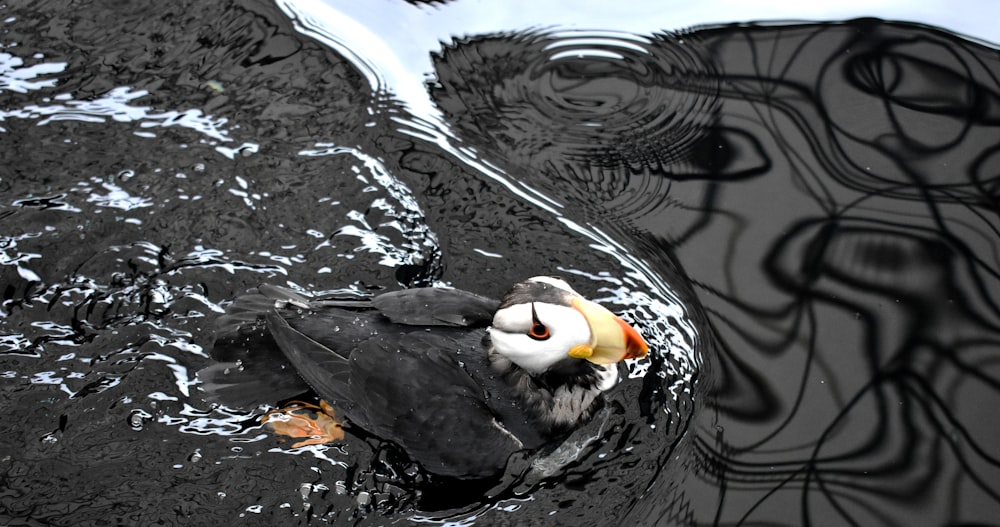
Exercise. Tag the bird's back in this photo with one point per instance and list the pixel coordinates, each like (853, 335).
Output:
(409, 366)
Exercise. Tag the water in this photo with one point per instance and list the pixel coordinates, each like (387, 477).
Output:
(801, 218)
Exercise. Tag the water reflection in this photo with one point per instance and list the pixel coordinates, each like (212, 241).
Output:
(600, 101)
(874, 291)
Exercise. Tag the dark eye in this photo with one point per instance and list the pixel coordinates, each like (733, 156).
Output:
(538, 330)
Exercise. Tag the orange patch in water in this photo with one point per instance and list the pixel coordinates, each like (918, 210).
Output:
(303, 420)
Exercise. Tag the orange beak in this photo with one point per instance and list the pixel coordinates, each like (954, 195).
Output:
(611, 338)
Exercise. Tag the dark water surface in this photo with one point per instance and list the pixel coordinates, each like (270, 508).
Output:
(802, 219)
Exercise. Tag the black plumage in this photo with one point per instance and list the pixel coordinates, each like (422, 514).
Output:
(415, 367)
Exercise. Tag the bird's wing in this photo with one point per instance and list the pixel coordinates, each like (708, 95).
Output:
(424, 306)
(325, 370)
(430, 306)
(423, 400)
(406, 386)
(251, 369)
(336, 345)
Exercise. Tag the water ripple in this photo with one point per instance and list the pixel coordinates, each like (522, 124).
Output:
(616, 102)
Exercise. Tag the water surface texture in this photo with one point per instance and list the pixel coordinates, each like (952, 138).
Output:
(801, 218)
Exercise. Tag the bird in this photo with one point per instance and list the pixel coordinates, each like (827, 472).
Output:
(457, 380)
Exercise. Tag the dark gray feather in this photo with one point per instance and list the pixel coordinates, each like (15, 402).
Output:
(436, 307)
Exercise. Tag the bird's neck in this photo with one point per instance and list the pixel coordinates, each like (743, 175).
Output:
(561, 397)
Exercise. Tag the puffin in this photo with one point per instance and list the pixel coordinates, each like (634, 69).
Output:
(458, 381)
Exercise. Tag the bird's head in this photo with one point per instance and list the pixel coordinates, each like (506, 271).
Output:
(543, 321)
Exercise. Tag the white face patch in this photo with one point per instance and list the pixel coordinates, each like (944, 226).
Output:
(566, 328)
